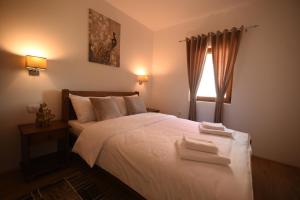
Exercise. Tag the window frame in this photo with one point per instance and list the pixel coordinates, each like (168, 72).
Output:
(213, 99)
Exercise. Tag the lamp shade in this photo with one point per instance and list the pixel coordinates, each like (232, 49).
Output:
(34, 62)
(142, 78)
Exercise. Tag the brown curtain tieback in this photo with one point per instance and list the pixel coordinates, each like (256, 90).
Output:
(220, 100)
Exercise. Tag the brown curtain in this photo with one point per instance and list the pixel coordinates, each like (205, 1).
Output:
(224, 47)
(196, 51)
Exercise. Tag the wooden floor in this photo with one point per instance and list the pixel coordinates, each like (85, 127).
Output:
(275, 181)
(271, 180)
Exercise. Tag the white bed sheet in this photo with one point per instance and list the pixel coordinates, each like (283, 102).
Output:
(77, 127)
(140, 151)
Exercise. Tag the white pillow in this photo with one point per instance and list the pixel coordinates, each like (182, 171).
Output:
(83, 108)
(135, 105)
(121, 104)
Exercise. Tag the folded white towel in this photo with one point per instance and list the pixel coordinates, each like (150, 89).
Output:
(199, 156)
(214, 126)
(226, 132)
(199, 144)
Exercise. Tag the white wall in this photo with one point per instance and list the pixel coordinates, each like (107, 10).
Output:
(58, 30)
(265, 99)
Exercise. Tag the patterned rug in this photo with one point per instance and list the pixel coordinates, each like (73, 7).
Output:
(84, 185)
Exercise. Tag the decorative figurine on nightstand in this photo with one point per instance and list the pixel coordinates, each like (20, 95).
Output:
(44, 116)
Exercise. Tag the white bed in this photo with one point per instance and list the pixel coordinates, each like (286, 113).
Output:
(77, 127)
(140, 151)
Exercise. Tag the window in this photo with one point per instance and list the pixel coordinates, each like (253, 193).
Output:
(207, 90)
(207, 82)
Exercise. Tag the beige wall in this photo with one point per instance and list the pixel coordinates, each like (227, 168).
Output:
(58, 30)
(266, 87)
(265, 101)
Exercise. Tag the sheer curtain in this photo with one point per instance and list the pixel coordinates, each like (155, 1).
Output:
(196, 48)
(224, 47)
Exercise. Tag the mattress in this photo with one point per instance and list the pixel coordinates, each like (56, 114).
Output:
(77, 127)
(140, 151)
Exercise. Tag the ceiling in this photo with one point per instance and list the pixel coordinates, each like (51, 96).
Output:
(160, 14)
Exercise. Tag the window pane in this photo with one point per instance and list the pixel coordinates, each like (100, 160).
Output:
(207, 82)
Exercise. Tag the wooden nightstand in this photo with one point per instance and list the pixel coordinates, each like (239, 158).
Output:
(153, 110)
(31, 135)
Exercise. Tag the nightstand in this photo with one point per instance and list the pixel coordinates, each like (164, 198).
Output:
(153, 110)
(32, 135)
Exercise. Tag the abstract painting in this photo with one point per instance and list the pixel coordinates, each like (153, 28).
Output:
(104, 39)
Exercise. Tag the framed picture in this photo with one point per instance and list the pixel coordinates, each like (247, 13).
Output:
(104, 39)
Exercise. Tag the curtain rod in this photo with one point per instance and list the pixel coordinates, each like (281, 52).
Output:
(246, 28)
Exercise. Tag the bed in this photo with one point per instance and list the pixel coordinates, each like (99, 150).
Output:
(140, 151)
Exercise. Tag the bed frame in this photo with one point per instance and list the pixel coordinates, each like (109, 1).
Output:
(67, 108)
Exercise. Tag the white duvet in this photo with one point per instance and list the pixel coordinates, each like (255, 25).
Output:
(140, 151)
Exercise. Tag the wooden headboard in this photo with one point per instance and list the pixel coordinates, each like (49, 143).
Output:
(67, 108)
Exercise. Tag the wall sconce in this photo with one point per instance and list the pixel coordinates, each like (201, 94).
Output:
(142, 79)
(34, 64)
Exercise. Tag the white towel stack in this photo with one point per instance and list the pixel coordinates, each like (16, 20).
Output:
(214, 126)
(199, 145)
(215, 129)
(200, 150)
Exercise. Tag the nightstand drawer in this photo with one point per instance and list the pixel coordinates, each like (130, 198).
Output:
(58, 135)
(32, 135)
(38, 138)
